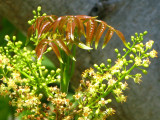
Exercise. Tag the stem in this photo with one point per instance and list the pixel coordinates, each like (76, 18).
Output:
(67, 70)
(64, 79)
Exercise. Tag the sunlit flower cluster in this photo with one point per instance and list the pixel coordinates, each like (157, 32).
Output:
(33, 89)
(106, 79)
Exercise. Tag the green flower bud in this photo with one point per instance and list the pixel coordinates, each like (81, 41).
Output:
(43, 67)
(126, 77)
(9, 68)
(44, 14)
(132, 38)
(7, 37)
(39, 8)
(109, 100)
(52, 72)
(97, 111)
(98, 68)
(137, 39)
(29, 22)
(49, 49)
(123, 72)
(40, 96)
(119, 55)
(39, 62)
(46, 71)
(89, 98)
(35, 17)
(103, 85)
(124, 49)
(34, 12)
(116, 50)
(145, 32)
(58, 70)
(141, 34)
(130, 61)
(80, 106)
(136, 34)
(101, 88)
(48, 76)
(22, 96)
(95, 65)
(141, 44)
(144, 71)
(35, 88)
(133, 50)
(108, 66)
(128, 43)
(33, 52)
(145, 65)
(44, 84)
(102, 65)
(109, 60)
(131, 56)
(32, 21)
(14, 38)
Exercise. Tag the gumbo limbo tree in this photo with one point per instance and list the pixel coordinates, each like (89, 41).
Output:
(29, 84)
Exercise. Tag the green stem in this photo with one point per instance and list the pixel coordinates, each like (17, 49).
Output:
(64, 79)
(67, 70)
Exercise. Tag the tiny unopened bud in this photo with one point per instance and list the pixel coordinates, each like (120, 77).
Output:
(116, 50)
(39, 8)
(133, 50)
(130, 61)
(109, 60)
(58, 70)
(132, 38)
(136, 34)
(43, 67)
(44, 14)
(144, 71)
(119, 55)
(34, 12)
(124, 49)
(145, 65)
(126, 77)
(40, 96)
(14, 38)
(145, 32)
(7, 37)
(102, 65)
(131, 56)
(49, 49)
(29, 22)
(95, 65)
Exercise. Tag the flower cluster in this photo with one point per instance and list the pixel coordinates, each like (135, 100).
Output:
(95, 86)
(29, 84)
(25, 80)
